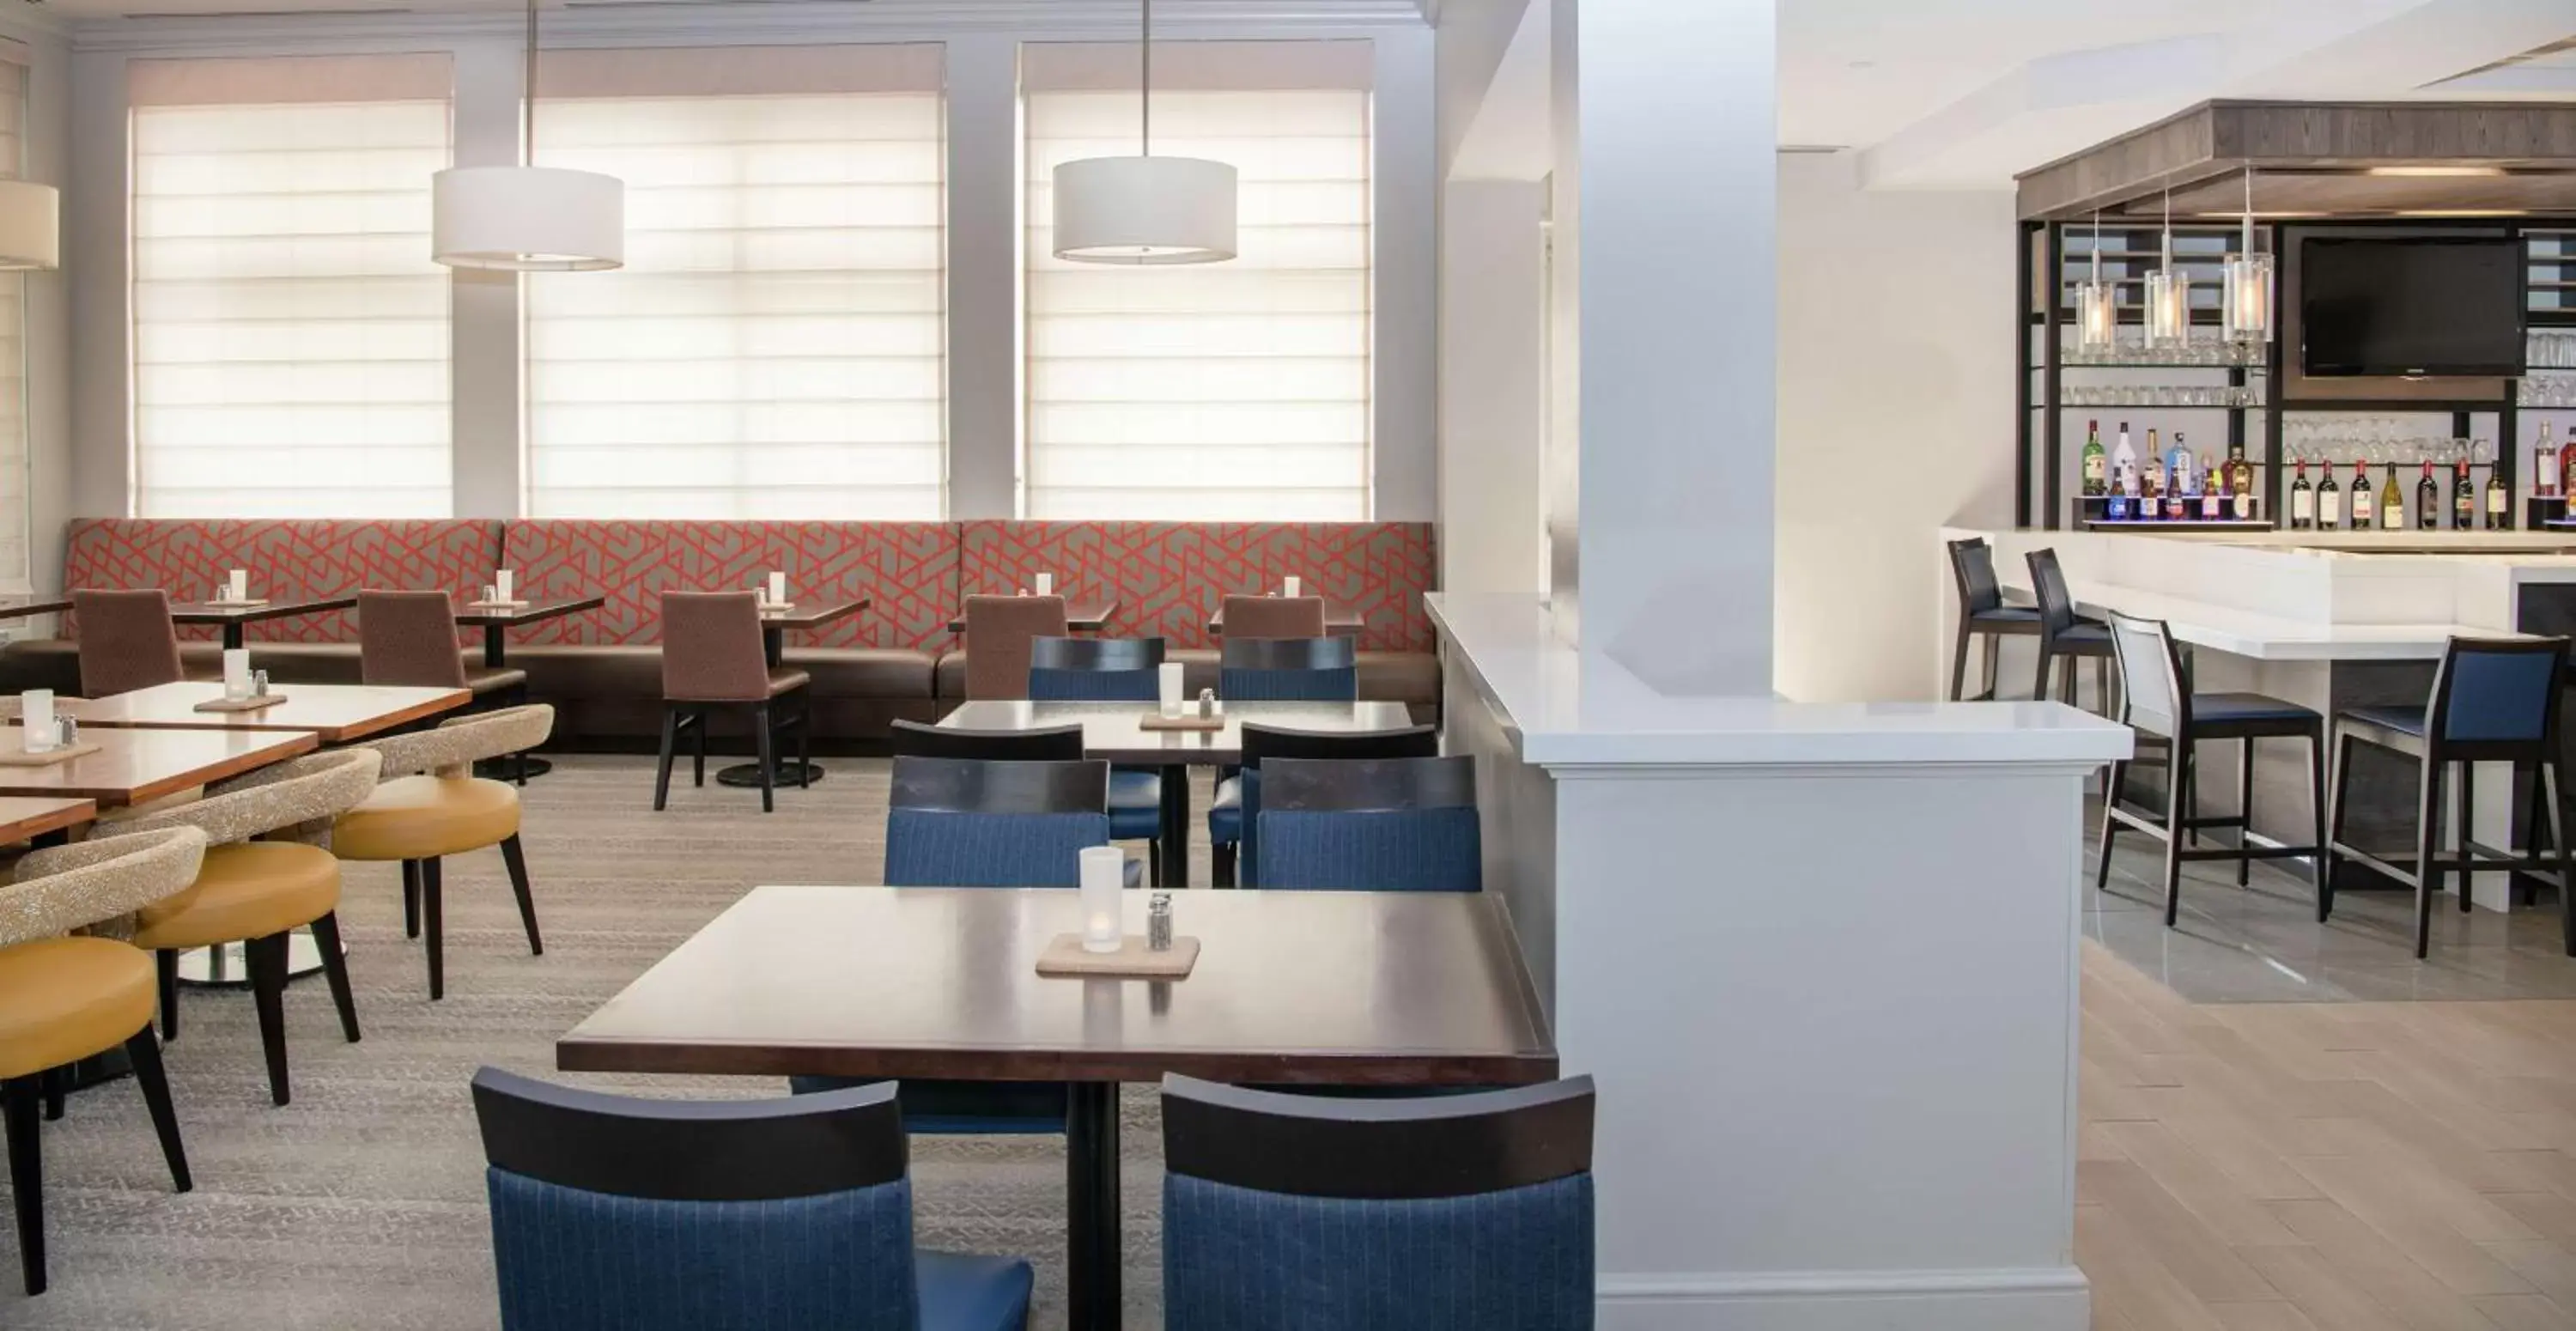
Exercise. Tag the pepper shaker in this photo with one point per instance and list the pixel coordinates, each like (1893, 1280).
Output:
(1158, 920)
(1207, 702)
(69, 728)
(259, 683)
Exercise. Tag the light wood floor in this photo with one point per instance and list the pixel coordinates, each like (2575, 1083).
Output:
(2338, 1166)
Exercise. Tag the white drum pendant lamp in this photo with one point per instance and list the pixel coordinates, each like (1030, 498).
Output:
(528, 219)
(30, 226)
(1144, 209)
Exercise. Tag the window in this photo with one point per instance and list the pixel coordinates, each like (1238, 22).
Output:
(1237, 390)
(290, 331)
(13, 339)
(775, 345)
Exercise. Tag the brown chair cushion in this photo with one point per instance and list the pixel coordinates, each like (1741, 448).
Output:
(64, 999)
(247, 890)
(784, 680)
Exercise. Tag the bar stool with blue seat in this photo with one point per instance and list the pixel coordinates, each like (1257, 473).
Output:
(1288, 670)
(2493, 701)
(2158, 704)
(1372, 825)
(1289, 1212)
(2064, 634)
(1233, 816)
(611, 1213)
(1068, 669)
(1983, 614)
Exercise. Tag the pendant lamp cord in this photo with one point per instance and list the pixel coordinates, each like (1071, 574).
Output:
(2097, 246)
(528, 117)
(1145, 137)
(2247, 237)
(2168, 236)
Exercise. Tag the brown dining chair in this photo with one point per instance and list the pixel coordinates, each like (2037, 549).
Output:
(998, 632)
(1274, 616)
(712, 658)
(409, 638)
(127, 641)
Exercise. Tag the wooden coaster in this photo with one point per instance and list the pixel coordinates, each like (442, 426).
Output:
(15, 757)
(259, 704)
(1185, 721)
(251, 604)
(1132, 960)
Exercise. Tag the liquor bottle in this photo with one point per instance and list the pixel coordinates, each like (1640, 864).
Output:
(2240, 483)
(2499, 501)
(2392, 505)
(2178, 469)
(2365, 510)
(2152, 494)
(2544, 466)
(2303, 499)
(2116, 508)
(2124, 460)
(2428, 500)
(2464, 497)
(2095, 460)
(2329, 500)
(2213, 491)
(2566, 454)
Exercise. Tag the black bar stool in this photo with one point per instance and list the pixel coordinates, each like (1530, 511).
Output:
(2493, 701)
(2155, 700)
(2066, 634)
(1982, 612)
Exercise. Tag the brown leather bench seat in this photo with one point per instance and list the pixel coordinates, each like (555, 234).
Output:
(1411, 678)
(610, 696)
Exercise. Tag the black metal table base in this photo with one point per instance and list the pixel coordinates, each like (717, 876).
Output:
(1175, 828)
(507, 769)
(1092, 1246)
(225, 966)
(784, 776)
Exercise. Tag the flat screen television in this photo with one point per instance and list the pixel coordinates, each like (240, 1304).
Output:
(2423, 305)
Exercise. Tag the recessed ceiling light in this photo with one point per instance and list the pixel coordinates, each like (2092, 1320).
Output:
(2435, 171)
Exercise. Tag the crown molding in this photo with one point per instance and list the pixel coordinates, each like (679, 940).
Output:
(669, 22)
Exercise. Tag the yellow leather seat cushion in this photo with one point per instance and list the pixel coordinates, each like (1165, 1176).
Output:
(249, 890)
(423, 817)
(64, 999)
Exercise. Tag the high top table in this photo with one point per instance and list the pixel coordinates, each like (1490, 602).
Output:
(1291, 988)
(774, 624)
(496, 621)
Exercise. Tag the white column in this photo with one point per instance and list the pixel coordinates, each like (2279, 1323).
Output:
(484, 424)
(1404, 235)
(1665, 182)
(983, 276)
(1492, 401)
(94, 256)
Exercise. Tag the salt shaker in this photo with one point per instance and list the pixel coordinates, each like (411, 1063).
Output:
(491, 593)
(1158, 920)
(1207, 702)
(259, 683)
(69, 728)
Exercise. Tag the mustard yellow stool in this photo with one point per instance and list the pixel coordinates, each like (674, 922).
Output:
(64, 999)
(429, 805)
(258, 893)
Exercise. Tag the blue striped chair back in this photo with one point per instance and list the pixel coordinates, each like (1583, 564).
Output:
(964, 822)
(1370, 825)
(1288, 670)
(2499, 692)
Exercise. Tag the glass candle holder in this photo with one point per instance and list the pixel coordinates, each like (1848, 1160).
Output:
(36, 720)
(1167, 677)
(1104, 878)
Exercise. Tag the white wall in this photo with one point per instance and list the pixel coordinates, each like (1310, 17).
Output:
(49, 407)
(1896, 410)
(88, 460)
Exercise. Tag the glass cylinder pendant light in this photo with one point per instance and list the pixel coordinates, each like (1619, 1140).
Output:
(527, 218)
(2168, 295)
(2097, 304)
(1144, 209)
(2247, 287)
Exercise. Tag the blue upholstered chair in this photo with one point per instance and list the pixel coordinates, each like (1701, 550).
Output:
(618, 1214)
(1233, 817)
(1371, 825)
(2493, 701)
(1450, 1213)
(1109, 670)
(1288, 670)
(2156, 701)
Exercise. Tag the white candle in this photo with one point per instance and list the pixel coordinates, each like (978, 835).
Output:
(237, 672)
(1292, 585)
(1168, 677)
(1046, 584)
(237, 585)
(36, 719)
(777, 587)
(1104, 877)
(504, 582)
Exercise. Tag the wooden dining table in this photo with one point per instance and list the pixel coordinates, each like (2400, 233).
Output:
(1424, 989)
(1338, 619)
(136, 766)
(33, 818)
(1115, 732)
(231, 618)
(339, 713)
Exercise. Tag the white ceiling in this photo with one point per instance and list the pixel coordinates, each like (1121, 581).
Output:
(1179, 11)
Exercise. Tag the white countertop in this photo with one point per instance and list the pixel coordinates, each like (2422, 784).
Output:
(1560, 716)
(2262, 637)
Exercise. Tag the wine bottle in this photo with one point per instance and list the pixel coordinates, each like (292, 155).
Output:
(2464, 497)
(2428, 500)
(2544, 466)
(2499, 501)
(2365, 510)
(2240, 482)
(2095, 460)
(2303, 499)
(2213, 491)
(2566, 455)
(2329, 500)
(2392, 505)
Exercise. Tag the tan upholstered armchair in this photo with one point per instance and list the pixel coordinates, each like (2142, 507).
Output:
(98, 884)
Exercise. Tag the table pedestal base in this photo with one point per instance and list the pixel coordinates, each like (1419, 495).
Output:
(224, 966)
(785, 775)
(507, 769)
(1092, 1243)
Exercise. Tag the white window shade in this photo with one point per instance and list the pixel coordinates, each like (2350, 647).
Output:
(13, 345)
(290, 333)
(775, 346)
(1230, 391)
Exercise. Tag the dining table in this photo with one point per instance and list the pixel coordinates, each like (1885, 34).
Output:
(1115, 732)
(232, 617)
(28, 607)
(496, 619)
(1338, 620)
(42, 819)
(1088, 614)
(775, 623)
(338, 713)
(1379, 989)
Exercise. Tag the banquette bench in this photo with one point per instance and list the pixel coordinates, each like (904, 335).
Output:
(602, 668)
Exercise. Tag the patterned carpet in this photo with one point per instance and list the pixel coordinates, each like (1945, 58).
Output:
(361, 1204)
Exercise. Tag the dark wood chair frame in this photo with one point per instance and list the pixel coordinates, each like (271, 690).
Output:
(1332, 652)
(771, 719)
(691, 1151)
(1977, 596)
(2056, 616)
(1430, 1147)
(24, 1101)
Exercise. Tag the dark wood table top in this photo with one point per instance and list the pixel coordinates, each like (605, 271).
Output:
(1088, 615)
(201, 612)
(133, 766)
(1337, 619)
(22, 607)
(1393, 988)
(1114, 731)
(337, 712)
(537, 608)
(24, 818)
(812, 612)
